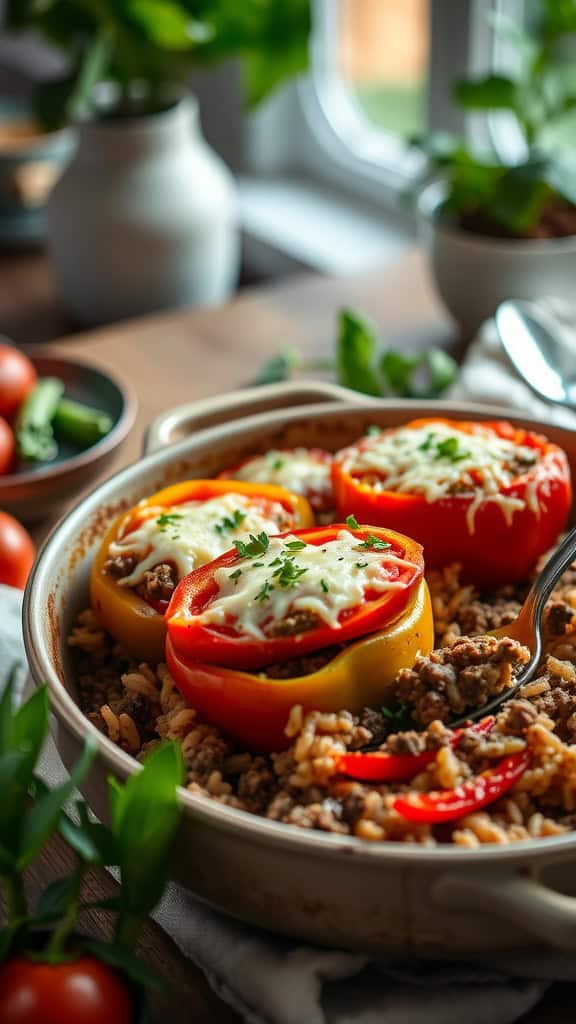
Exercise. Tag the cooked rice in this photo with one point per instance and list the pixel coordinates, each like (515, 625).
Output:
(136, 705)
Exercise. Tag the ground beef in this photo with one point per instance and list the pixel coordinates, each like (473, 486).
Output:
(137, 707)
(450, 680)
(557, 618)
(302, 666)
(377, 725)
(159, 583)
(560, 705)
(296, 622)
(481, 616)
(516, 717)
(120, 566)
(256, 786)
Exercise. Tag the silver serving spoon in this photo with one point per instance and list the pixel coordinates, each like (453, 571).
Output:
(537, 346)
(527, 626)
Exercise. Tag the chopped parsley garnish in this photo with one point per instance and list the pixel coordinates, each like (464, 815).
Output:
(288, 574)
(255, 546)
(264, 593)
(277, 464)
(324, 586)
(401, 716)
(374, 543)
(166, 519)
(450, 449)
(231, 522)
(361, 565)
(373, 430)
(295, 545)
(235, 575)
(427, 444)
(352, 522)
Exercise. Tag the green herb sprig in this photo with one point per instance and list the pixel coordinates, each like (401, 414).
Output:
(361, 364)
(230, 523)
(145, 817)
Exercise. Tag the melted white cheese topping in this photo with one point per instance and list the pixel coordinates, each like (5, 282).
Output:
(336, 578)
(193, 533)
(296, 470)
(479, 465)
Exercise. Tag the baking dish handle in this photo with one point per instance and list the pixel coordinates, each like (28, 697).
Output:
(179, 423)
(544, 913)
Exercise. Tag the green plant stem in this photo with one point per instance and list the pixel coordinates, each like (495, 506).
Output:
(15, 900)
(127, 928)
(57, 943)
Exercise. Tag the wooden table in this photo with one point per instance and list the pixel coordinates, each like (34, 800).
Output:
(176, 357)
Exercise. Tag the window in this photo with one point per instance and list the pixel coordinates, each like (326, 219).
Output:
(383, 58)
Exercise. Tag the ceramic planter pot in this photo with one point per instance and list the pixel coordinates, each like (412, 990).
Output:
(336, 890)
(143, 218)
(473, 274)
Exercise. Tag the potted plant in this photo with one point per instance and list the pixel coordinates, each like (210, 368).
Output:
(498, 230)
(49, 970)
(145, 215)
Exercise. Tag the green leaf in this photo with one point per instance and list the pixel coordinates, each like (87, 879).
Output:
(43, 818)
(492, 92)
(145, 817)
(521, 197)
(277, 368)
(126, 962)
(397, 370)
(6, 711)
(443, 371)
(440, 148)
(168, 25)
(512, 31)
(356, 353)
(53, 901)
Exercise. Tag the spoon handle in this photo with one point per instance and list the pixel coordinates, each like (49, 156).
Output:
(547, 579)
(532, 610)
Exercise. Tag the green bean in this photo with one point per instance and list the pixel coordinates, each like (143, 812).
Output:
(80, 424)
(33, 427)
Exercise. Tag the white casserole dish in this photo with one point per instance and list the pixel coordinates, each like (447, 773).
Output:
(330, 889)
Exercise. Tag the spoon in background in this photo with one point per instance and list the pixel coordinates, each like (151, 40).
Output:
(527, 626)
(538, 346)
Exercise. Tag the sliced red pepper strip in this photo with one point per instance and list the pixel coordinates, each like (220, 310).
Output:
(379, 766)
(446, 805)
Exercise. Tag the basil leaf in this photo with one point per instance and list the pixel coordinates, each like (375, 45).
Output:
(277, 368)
(145, 818)
(53, 901)
(491, 92)
(356, 353)
(43, 817)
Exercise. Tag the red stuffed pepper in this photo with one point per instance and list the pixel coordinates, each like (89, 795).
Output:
(324, 618)
(304, 471)
(488, 495)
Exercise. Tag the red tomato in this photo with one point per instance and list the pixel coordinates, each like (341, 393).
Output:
(17, 553)
(226, 646)
(7, 448)
(498, 549)
(85, 991)
(17, 378)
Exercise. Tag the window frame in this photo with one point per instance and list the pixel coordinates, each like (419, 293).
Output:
(331, 140)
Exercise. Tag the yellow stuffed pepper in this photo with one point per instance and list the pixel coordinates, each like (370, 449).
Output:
(149, 549)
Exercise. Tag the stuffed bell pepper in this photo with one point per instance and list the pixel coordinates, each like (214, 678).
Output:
(163, 538)
(304, 471)
(488, 495)
(323, 617)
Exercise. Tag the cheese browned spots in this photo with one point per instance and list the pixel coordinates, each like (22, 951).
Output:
(193, 533)
(438, 461)
(291, 577)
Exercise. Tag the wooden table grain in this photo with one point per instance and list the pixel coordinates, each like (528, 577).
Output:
(181, 356)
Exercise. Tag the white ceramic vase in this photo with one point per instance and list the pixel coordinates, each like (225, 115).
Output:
(143, 218)
(473, 274)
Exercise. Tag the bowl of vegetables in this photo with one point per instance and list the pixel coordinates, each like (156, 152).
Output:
(61, 423)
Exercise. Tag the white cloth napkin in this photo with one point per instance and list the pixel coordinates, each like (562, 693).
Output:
(268, 979)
